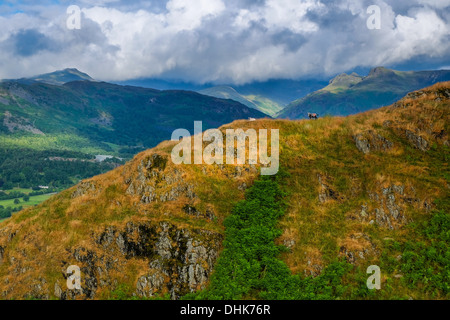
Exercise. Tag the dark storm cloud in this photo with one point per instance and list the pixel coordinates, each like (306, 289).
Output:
(290, 40)
(29, 42)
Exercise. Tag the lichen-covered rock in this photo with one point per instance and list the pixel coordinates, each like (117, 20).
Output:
(389, 205)
(180, 261)
(371, 141)
(389, 210)
(193, 211)
(84, 188)
(147, 286)
(155, 184)
(362, 143)
(417, 141)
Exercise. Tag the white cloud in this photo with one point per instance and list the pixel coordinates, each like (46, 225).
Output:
(188, 15)
(226, 41)
(281, 14)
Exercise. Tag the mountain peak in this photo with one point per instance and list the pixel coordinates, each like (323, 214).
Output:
(343, 81)
(378, 71)
(61, 77)
(354, 77)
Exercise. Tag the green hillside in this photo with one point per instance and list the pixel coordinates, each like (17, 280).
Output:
(257, 102)
(351, 94)
(75, 121)
(96, 114)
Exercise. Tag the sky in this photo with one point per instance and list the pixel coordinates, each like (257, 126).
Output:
(222, 41)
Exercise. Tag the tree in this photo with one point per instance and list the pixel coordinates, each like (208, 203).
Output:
(16, 201)
(26, 198)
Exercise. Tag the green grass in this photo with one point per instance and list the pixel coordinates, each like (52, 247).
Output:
(52, 142)
(250, 266)
(34, 200)
(265, 105)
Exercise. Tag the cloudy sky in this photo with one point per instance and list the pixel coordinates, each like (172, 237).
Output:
(221, 41)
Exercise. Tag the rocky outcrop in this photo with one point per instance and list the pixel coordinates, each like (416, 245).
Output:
(154, 184)
(417, 141)
(326, 193)
(371, 141)
(389, 205)
(179, 260)
(16, 123)
(169, 259)
(192, 211)
(8, 236)
(357, 248)
(439, 94)
(85, 187)
(387, 210)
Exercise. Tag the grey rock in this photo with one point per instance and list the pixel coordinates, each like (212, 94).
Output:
(362, 143)
(59, 292)
(84, 188)
(372, 141)
(417, 141)
(148, 285)
(179, 260)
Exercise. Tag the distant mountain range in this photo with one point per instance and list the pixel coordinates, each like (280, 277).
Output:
(351, 94)
(269, 97)
(345, 94)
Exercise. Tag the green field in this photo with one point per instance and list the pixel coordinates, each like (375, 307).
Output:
(34, 200)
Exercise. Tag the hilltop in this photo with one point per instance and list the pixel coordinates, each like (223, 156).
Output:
(59, 77)
(352, 94)
(369, 189)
